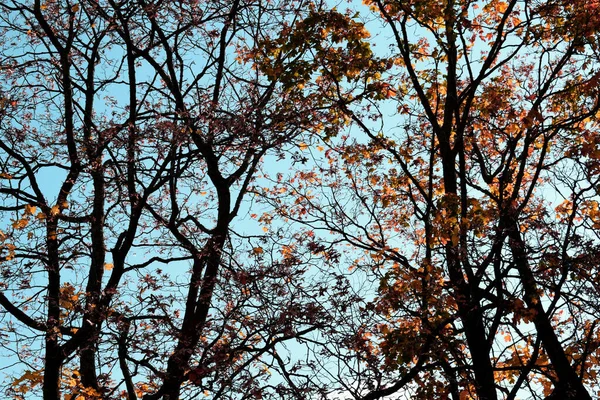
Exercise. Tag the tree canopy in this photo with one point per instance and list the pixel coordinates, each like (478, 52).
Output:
(291, 199)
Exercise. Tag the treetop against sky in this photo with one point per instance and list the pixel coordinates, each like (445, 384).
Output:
(262, 199)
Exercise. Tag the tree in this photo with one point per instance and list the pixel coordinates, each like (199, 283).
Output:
(415, 250)
(445, 194)
(131, 134)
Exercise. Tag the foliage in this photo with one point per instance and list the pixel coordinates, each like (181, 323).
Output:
(262, 199)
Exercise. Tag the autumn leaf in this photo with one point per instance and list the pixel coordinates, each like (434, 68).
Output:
(29, 209)
(27, 381)
(20, 224)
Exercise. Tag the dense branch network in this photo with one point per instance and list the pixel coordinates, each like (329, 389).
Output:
(260, 199)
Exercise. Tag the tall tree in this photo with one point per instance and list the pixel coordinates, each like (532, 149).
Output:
(131, 134)
(445, 190)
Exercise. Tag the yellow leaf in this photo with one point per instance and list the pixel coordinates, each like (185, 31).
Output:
(29, 209)
(320, 148)
(501, 6)
(20, 224)
(35, 377)
(108, 266)
(303, 146)
(54, 210)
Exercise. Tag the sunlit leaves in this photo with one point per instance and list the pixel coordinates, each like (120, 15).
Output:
(27, 381)
(327, 48)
